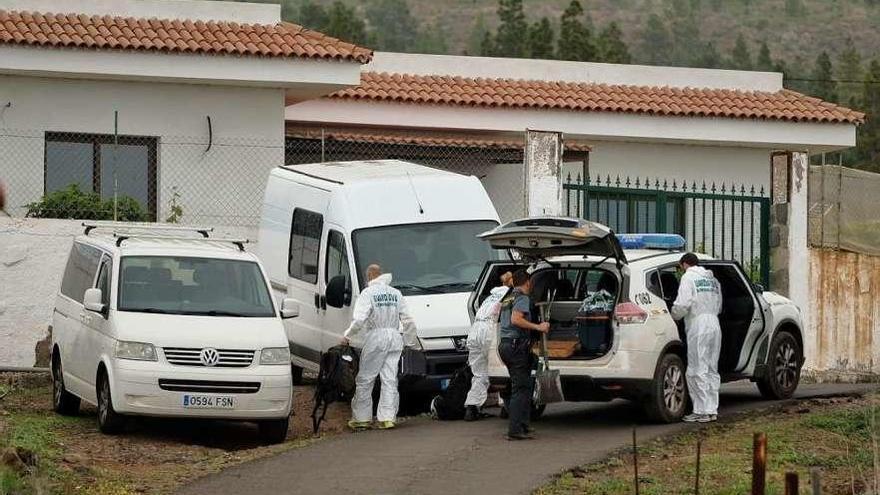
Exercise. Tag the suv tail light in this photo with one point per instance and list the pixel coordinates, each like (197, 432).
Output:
(629, 313)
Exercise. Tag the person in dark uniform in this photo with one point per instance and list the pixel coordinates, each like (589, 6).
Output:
(514, 348)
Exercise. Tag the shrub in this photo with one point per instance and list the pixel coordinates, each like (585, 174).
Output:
(73, 203)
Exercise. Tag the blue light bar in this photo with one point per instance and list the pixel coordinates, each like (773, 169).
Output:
(671, 242)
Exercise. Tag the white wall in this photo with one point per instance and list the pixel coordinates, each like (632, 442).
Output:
(224, 184)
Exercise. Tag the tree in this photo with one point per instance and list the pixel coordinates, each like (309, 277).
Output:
(510, 41)
(741, 59)
(822, 84)
(868, 152)
(541, 39)
(478, 33)
(344, 23)
(312, 16)
(685, 30)
(708, 57)
(612, 48)
(795, 8)
(431, 39)
(765, 62)
(393, 25)
(656, 43)
(849, 68)
(575, 37)
(487, 45)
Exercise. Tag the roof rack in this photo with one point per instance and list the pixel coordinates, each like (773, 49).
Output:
(151, 227)
(122, 237)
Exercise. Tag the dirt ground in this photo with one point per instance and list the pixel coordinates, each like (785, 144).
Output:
(152, 456)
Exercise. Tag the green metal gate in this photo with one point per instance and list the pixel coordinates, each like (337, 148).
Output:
(726, 221)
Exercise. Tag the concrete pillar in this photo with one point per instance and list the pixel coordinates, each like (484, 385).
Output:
(542, 177)
(798, 245)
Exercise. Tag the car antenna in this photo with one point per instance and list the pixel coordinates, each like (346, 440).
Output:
(415, 192)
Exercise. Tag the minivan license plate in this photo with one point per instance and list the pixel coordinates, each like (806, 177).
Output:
(208, 402)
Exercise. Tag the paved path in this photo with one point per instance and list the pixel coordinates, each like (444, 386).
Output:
(434, 457)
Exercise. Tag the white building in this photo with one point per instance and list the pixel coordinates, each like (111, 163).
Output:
(195, 91)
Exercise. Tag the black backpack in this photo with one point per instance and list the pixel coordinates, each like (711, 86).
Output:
(449, 405)
(336, 380)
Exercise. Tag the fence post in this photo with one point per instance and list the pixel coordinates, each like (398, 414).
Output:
(661, 211)
(765, 242)
(791, 484)
(635, 461)
(759, 463)
(697, 477)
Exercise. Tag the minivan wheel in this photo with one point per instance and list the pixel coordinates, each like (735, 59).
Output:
(783, 367)
(274, 431)
(109, 421)
(668, 398)
(63, 402)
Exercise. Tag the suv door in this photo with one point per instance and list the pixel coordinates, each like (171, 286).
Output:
(742, 315)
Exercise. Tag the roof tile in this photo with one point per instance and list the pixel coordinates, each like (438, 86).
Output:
(174, 36)
(513, 93)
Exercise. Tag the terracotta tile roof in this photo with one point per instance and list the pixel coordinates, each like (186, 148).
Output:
(420, 138)
(174, 36)
(514, 93)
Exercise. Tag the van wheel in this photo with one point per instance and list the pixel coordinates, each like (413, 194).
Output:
(296, 374)
(274, 431)
(63, 402)
(668, 395)
(783, 367)
(109, 421)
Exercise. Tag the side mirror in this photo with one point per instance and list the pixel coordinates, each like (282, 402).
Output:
(758, 288)
(338, 293)
(289, 309)
(92, 301)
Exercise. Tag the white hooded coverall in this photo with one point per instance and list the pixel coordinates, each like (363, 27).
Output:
(699, 303)
(479, 343)
(379, 314)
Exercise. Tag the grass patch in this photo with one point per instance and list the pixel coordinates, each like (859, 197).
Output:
(832, 434)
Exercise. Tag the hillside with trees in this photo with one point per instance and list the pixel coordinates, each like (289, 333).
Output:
(826, 48)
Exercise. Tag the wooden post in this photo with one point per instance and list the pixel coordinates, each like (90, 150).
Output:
(697, 478)
(635, 461)
(816, 480)
(759, 463)
(791, 484)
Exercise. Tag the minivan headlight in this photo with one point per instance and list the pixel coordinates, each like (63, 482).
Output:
(135, 350)
(275, 355)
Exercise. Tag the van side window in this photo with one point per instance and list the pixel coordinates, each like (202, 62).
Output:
(103, 283)
(305, 244)
(80, 271)
(337, 256)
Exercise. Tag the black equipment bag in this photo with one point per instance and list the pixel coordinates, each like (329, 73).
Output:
(449, 405)
(336, 380)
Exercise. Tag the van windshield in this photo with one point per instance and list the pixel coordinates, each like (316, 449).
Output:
(426, 258)
(193, 286)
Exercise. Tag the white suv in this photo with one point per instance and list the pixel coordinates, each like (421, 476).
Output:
(632, 348)
(153, 321)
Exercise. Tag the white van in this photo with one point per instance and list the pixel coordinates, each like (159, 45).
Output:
(169, 325)
(323, 224)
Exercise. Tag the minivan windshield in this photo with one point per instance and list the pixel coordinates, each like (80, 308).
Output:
(193, 286)
(426, 258)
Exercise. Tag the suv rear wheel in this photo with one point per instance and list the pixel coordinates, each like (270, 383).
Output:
(783, 367)
(63, 402)
(668, 396)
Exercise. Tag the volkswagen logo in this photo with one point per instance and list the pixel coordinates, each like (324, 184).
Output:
(209, 356)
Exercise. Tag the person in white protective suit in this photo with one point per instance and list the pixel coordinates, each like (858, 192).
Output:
(699, 303)
(379, 315)
(479, 343)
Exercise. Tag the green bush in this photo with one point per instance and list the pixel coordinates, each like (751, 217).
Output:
(73, 203)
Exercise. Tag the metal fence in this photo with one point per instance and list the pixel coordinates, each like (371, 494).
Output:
(843, 209)
(724, 221)
(497, 162)
(214, 179)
